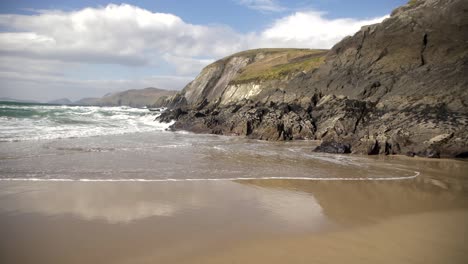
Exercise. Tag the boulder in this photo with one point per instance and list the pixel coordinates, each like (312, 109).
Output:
(333, 147)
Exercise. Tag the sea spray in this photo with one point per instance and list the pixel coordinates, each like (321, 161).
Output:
(35, 122)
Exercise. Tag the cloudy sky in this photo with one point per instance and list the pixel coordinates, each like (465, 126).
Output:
(51, 49)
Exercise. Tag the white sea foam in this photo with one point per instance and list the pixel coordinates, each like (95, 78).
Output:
(37, 122)
(398, 178)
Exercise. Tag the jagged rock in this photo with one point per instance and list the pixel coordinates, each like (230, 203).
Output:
(433, 154)
(389, 89)
(440, 138)
(462, 155)
(429, 153)
(333, 147)
(199, 114)
(373, 147)
(175, 114)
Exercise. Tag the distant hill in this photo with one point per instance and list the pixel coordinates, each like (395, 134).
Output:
(133, 98)
(62, 101)
(88, 101)
(8, 99)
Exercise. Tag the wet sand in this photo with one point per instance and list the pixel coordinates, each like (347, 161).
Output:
(417, 220)
(259, 221)
(420, 238)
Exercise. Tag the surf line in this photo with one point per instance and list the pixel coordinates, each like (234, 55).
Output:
(416, 174)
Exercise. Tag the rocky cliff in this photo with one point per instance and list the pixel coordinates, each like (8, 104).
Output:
(398, 87)
(247, 75)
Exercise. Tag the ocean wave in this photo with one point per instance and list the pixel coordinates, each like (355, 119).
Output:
(37, 122)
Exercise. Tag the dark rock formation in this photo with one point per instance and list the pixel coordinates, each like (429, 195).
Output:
(334, 147)
(395, 87)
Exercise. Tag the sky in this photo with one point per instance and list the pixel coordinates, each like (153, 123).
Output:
(52, 49)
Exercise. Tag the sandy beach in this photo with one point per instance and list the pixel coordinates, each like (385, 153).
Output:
(234, 132)
(164, 197)
(421, 220)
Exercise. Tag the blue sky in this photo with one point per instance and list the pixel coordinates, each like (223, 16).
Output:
(51, 49)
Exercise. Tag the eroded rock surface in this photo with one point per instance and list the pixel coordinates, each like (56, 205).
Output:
(398, 87)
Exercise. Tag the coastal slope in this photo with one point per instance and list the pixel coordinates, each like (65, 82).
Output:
(133, 98)
(61, 101)
(397, 87)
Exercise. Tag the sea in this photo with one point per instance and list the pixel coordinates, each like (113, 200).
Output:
(86, 184)
(123, 144)
(33, 122)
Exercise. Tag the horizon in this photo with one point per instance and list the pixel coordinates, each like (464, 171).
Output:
(62, 49)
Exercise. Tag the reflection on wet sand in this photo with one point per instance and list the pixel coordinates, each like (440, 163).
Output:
(166, 220)
(421, 220)
(105, 201)
(255, 221)
(361, 202)
(420, 238)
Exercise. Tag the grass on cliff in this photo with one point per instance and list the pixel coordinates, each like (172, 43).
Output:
(273, 64)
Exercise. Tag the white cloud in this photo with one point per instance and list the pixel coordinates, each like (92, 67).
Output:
(26, 66)
(49, 45)
(262, 5)
(128, 35)
(186, 65)
(310, 30)
(121, 34)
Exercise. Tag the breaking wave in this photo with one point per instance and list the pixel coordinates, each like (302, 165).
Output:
(22, 122)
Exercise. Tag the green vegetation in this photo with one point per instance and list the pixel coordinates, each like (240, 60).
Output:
(273, 64)
(412, 2)
(254, 52)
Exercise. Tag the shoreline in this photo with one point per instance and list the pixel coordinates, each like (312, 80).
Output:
(256, 221)
(317, 143)
(192, 221)
(417, 173)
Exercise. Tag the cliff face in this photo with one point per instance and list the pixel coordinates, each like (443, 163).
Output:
(247, 74)
(419, 52)
(395, 87)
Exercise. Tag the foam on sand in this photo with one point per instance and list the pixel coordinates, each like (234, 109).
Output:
(416, 174)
